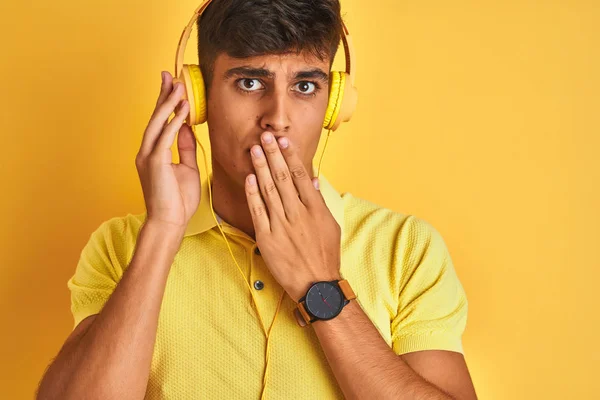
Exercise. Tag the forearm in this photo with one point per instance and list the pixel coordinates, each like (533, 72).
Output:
(364, 365)
(113, 358)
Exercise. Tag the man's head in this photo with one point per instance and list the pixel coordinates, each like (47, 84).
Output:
(265, 65)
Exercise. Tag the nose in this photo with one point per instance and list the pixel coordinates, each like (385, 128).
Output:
(276, 114)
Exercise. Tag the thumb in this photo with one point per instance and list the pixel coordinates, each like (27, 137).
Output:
(186, 145)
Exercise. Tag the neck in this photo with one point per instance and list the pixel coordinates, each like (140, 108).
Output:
(229, 202)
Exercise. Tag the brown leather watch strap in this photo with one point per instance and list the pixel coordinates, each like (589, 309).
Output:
(346, 289)
(299, 319)
(303, 314)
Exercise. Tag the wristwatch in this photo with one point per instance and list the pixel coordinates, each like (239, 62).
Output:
(323, 301)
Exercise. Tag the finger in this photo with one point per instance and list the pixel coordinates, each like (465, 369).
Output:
(281, 176)
(315, 182)
(158, 120)
(165, 88)
(260, 217)
(186, 145)
(165, 141)
(317, 186)
(300, 176)
(266, 184)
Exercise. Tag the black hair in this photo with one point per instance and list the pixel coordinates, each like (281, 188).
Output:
(246, 28)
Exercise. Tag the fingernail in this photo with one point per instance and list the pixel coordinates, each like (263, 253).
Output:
(283, 142)
(252, 180)
(316, 183)
(162, 76)
(257, 151)
(268, 137)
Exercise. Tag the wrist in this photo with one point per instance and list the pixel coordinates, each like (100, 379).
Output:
(170, 226)
(171, 233)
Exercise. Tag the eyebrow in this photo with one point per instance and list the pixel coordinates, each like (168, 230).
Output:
(250, 72)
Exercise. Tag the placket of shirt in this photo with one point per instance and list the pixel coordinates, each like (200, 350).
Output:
(268, 297)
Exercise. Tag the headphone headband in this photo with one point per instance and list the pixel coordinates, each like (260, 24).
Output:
(185, 35)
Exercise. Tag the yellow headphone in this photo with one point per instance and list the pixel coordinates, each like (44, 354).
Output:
(342, 103)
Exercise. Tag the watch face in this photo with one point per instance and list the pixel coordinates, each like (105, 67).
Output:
(324, 300)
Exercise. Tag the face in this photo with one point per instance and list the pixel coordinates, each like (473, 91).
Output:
(285, 94)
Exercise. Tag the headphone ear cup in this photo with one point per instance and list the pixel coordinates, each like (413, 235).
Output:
(191, 76)
(336, 88)
(347, 103)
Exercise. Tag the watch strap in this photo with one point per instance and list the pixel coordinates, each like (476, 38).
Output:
(346, 289)
(304, 314)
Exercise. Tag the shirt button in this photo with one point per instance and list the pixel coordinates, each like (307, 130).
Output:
(257, 251)
(259, 285)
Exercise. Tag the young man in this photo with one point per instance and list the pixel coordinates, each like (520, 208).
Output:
(160, 307)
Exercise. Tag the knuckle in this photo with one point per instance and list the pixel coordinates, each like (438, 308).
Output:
(270, 188)
(282, 176)
(139, 160)
(271, 149)
(298, 172)
(258, 211)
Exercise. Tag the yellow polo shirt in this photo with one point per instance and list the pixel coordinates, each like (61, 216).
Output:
(210, 344)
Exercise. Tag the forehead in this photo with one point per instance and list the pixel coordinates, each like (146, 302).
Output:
(286, 63)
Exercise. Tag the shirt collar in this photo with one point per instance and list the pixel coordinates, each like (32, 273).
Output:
(203, 219)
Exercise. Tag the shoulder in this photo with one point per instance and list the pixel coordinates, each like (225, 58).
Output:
(115, 238)
(120, 227)
(401, 255)
(363, 218)
(102, 262)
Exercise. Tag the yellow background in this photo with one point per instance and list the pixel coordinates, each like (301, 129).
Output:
(479, 117)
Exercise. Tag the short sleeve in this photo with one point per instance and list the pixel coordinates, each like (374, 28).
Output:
(432, 304)
(99, 269)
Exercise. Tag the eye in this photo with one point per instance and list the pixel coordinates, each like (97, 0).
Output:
(306, 87)
(249, 85)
